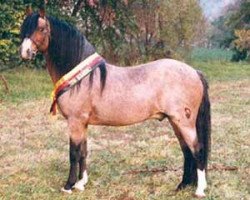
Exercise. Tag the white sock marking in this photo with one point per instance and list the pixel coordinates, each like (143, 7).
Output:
(202, 183)
(80, 184)
(85, 177)
(66, 191)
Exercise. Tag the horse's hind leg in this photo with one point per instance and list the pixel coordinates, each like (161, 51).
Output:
(189, 170)
(194, 164)
(77, 154)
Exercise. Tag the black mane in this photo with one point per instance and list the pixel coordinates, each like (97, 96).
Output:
(29, 25)
(68, 46)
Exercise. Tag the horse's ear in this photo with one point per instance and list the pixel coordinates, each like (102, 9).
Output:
(28, 10)
(42, 11)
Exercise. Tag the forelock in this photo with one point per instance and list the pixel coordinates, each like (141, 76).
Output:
(29, 25)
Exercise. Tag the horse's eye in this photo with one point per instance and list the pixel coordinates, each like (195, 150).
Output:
(41, 29)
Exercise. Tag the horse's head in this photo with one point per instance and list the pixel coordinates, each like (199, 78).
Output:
(35, 34)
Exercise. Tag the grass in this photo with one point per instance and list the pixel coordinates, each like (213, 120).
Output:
(25, 84)
(204, 54)
(217, 71)
(142, 161)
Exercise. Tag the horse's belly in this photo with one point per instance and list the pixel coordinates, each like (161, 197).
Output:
(115, 122)
(126, 114)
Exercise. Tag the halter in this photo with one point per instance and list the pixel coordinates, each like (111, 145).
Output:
(47, 27)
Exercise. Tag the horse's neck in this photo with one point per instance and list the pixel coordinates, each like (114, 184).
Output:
(51, 69)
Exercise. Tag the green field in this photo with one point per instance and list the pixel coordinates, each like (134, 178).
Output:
(142, 161)
(206, 55)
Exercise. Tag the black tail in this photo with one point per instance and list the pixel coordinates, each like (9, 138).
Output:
(203, 122)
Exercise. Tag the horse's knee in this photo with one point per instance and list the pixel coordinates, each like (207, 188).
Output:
(76, 131)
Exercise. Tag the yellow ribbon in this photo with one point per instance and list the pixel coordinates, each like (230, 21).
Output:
(70, 74)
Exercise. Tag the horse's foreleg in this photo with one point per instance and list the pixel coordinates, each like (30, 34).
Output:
(77, 153)
(83, 176)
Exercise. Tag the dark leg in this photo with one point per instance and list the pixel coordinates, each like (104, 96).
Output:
(83, 176)
(199, 156)
(194, 163)
(74, 156)
(190, 172)
(189, 168)
(77, 151)
(82, 161)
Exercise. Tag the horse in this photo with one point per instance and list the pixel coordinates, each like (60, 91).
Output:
(90, 91)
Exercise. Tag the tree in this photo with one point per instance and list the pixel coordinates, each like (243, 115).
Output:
(182, 24)
(125, 30)
(240, 23)
(232, 29)
(11, 15)
(121, 30)
(106, 24)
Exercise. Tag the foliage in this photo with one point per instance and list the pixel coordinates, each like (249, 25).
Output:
(182, 24)
(160, 29)
(106, 24)
(122, 31)
(240, 22)
(221, 36)
(241, 45)
(11, 16)
(232, 29)
(240, 18)
(243, 39)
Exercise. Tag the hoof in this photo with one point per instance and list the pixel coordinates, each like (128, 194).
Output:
(79, 186)
(181, 186)
(200, 195)
(184, 185)
(66, 191)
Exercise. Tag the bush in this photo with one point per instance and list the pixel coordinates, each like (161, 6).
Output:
(11, 16)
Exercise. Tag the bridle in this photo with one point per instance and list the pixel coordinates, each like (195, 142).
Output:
(45, 32)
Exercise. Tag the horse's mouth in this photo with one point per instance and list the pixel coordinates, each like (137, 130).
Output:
(28, 55)
(26, 51)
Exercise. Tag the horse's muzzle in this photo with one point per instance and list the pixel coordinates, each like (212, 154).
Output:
(26, 51)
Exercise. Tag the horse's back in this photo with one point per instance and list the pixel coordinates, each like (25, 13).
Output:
(172, 76)
(171, 67)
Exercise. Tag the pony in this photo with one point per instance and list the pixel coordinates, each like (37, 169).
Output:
(90, 91)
